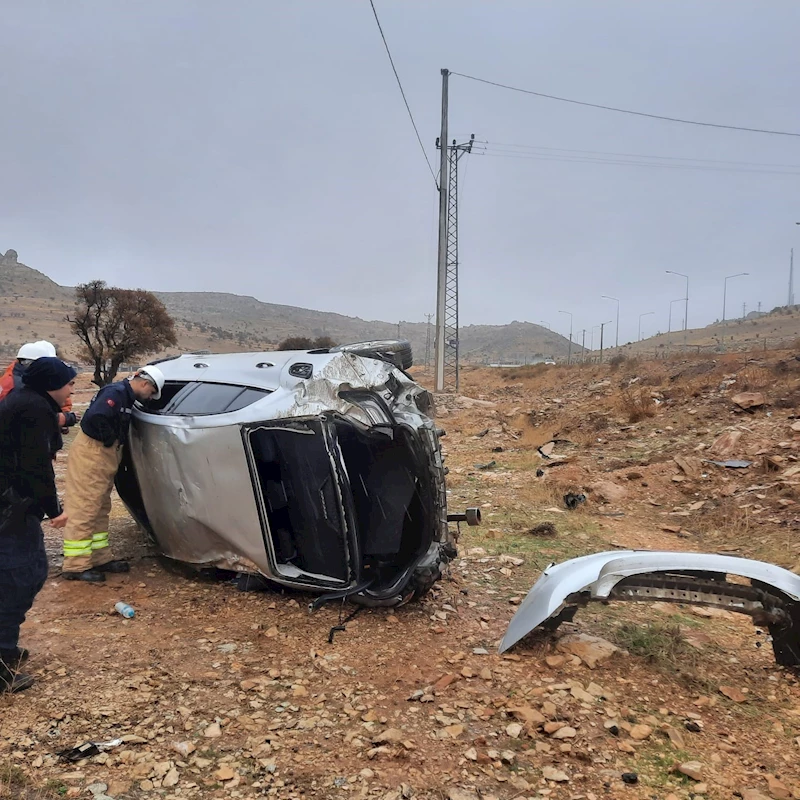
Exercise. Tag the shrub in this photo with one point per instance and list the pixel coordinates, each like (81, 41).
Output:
(636, 403)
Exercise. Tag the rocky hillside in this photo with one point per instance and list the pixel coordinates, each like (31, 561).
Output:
(33, 306)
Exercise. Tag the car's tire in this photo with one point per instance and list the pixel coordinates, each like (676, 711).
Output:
(395, 351)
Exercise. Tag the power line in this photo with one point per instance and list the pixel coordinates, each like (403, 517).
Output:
(488, 153)
(506, 147)
(402, 92)
(625, 110)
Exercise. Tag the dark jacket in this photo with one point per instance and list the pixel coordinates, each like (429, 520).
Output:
(28, 435)
(12, 379)
(109, 414)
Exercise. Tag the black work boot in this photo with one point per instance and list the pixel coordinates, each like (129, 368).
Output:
(114, 566)
(11, 680)
(88, 575)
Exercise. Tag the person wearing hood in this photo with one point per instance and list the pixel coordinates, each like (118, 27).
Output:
(28, 430)
(92, 466)
(12, 377)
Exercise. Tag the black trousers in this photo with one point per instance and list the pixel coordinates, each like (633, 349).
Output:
(23, 571)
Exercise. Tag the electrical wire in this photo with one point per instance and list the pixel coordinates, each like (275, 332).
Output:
(639, 160)
(627, 163)
(402, 92)
(626, 110)
(507, 147)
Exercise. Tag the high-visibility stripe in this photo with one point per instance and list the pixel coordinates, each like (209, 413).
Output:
(77, 547)
(99, 541)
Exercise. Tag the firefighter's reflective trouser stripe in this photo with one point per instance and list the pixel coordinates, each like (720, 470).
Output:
(91, 469)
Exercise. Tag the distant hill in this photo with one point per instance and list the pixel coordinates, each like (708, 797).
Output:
(778, 329)
(32, 306)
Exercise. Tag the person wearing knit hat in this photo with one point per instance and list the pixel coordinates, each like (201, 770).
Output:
(11, 379)
(29, 428)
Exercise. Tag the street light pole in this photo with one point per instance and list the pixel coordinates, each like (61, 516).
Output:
(686, 299)
(646, 314)
(607, 297)
(671, 302)
(602, 327)
(569, 352)
(725, 291)
(546, 324)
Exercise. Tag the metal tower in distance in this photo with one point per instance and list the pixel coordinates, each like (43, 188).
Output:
(450, 349)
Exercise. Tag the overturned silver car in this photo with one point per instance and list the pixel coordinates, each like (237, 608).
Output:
(767, 593)
(320, 470)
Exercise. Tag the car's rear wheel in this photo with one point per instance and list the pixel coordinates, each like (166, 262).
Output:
(395, 351)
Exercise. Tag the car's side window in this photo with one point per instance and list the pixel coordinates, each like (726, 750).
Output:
(195, 399)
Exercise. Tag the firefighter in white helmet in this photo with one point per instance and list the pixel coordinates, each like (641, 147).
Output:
(92, 465)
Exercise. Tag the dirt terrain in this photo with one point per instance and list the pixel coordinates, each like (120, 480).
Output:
(222, 694)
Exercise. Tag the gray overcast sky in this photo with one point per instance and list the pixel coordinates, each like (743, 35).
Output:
(262, 148)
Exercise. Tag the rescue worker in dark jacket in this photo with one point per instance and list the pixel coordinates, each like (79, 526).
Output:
(94, 459)
(12, 377)
(28, 429)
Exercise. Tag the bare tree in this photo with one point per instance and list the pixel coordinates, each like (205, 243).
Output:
(118, 325)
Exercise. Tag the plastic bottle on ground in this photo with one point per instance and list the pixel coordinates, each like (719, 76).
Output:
(124, 609)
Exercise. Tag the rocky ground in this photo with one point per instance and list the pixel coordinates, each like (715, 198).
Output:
(215, 693)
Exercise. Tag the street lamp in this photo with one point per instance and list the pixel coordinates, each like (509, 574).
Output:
(725, 291)
(569, 352)
(602, 328)
(606, 297)
(686, 312)
(646, 314)
(671, 302)
(546, 324)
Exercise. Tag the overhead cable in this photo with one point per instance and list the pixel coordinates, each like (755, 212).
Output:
(626, 110)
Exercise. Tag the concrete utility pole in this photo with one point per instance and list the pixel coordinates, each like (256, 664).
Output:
(791, 276)
(583, 346)
(646, 314)
(725, 292)
(606, 297)
(602, 327)
(744, 311)
(428, 341)
(569, 352)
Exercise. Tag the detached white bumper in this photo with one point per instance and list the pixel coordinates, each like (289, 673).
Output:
(599, 573)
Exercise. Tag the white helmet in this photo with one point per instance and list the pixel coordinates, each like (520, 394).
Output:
(155, 376)
(33, 350)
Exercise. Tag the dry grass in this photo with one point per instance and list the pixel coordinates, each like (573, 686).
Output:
(636, 404)
(754, 378)
(725, 524)
(15, 785)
